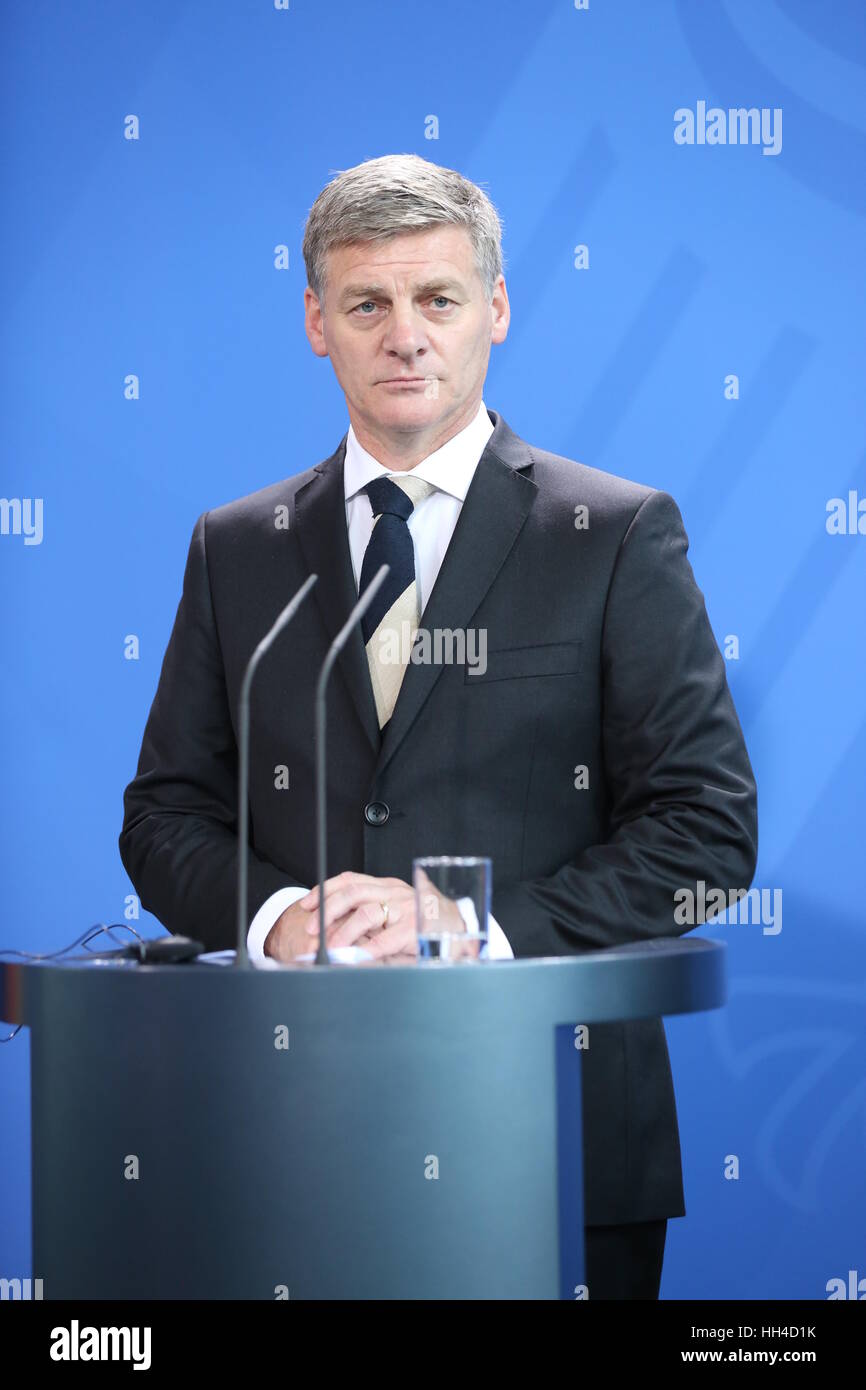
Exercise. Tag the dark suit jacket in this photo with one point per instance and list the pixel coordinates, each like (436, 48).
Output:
(600, 653)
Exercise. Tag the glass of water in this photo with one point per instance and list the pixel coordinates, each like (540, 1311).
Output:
(452, 901)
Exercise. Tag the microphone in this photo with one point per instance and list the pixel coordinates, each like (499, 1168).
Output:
(336, 646)
(242, 959)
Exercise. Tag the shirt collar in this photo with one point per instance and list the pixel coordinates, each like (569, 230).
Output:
(450, 468)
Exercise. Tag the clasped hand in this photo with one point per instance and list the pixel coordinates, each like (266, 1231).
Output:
(378, 914)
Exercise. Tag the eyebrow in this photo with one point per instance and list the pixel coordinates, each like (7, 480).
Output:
(369, 291)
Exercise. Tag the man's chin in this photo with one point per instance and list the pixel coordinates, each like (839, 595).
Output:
(417, 414)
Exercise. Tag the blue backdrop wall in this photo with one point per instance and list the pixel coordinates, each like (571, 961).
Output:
(708, 340)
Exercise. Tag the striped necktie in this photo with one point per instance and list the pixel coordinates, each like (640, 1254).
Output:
(390, 623)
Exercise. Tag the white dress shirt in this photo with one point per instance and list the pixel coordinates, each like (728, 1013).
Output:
(431, 526)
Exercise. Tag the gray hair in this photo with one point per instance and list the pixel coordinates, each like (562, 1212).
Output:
(393, 195)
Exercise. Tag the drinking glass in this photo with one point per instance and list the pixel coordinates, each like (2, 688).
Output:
(452, 900)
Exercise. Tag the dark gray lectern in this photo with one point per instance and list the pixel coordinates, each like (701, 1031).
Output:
(357, 1132)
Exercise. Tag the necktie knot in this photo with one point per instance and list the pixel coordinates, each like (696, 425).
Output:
(397, 496)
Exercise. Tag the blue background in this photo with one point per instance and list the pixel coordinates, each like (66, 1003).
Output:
(156, 257)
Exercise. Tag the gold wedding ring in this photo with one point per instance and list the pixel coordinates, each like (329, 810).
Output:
(385, 909)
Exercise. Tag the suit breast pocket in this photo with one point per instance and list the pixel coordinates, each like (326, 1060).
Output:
(516, 663)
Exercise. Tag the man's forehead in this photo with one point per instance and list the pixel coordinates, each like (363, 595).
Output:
(421, 255)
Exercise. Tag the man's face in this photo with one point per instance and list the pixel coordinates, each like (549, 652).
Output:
(411, 307)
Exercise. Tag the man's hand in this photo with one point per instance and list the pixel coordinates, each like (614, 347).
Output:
(360, 910)
(290, 936)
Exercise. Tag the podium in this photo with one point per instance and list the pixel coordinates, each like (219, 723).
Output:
(411, 1131)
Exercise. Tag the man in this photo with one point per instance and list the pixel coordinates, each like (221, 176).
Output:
(594, 754)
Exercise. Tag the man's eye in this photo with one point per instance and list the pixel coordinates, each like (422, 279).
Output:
(372, 303)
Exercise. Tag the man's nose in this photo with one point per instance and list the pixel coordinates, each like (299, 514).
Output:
(405, 333)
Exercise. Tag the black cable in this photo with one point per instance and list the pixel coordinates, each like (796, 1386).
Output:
(81, 940)
(125, 927)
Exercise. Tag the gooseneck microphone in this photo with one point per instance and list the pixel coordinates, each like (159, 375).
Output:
(339, 641)
(241, 957)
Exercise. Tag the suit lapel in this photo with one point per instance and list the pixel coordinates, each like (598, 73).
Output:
(497, 502)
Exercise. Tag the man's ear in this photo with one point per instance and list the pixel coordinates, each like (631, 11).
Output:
(314, 323)
(500, 312)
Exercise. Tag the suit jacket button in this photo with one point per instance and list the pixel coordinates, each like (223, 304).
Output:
(376, 812)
